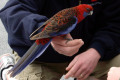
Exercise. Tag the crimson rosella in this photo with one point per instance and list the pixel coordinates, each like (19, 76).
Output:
(61, 23)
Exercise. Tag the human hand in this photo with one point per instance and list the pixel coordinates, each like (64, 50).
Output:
(83, 64)
(66, 47)
(114, 73)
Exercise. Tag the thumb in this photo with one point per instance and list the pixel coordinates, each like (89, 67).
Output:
(74, 42)
(67, 40)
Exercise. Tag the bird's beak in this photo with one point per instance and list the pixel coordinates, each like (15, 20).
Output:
(91, 12)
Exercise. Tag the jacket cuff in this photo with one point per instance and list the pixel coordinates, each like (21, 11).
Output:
(99, 47)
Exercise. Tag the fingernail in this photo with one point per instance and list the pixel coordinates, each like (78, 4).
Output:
(81, 41)
(66, 77)
(66, 68)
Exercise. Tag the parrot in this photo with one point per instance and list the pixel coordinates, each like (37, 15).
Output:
(60, 24)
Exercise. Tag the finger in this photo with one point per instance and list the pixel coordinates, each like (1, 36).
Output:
(80, 72)
(72, 71)
(75, 42)
(68, 51)
(83, 70)
(62, 37)
(74, 50)
(85, 76)
(87, 72)
(72, 63)
(62, 49)
(67, 42)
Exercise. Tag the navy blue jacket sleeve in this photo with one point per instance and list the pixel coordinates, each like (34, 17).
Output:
(21, 18)
(107, 39)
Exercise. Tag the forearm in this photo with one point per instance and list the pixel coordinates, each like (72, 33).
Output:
(21, 18)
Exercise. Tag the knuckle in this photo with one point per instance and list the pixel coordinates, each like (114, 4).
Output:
(77, 75)
(69, 54)
(82, 63)
(77, 50)
(83, 68)
(72, 72)
(56, 49)
(88, 70)
(67, 50)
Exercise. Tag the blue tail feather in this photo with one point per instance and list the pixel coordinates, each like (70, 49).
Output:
(23, 63)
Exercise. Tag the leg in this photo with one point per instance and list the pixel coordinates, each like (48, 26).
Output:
(103, 67)
(42, 71)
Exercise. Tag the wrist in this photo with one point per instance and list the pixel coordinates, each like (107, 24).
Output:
(95, 53)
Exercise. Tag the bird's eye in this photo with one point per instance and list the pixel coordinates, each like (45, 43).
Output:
(88, 9)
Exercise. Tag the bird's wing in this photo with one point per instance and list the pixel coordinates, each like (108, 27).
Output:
(67, 27)
(41, 27)
(59, 29)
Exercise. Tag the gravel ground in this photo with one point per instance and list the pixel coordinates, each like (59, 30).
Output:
(4, 47)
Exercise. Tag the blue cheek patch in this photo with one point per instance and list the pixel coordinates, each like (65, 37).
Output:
(85, 14)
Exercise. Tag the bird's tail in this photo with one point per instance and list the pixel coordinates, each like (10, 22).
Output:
(34, 52)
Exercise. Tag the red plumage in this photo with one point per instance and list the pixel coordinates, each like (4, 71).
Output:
(63, 17)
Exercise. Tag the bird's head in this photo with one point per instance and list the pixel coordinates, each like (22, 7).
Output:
(83, 11)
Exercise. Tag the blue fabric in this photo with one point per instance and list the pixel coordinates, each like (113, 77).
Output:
(100, 31)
